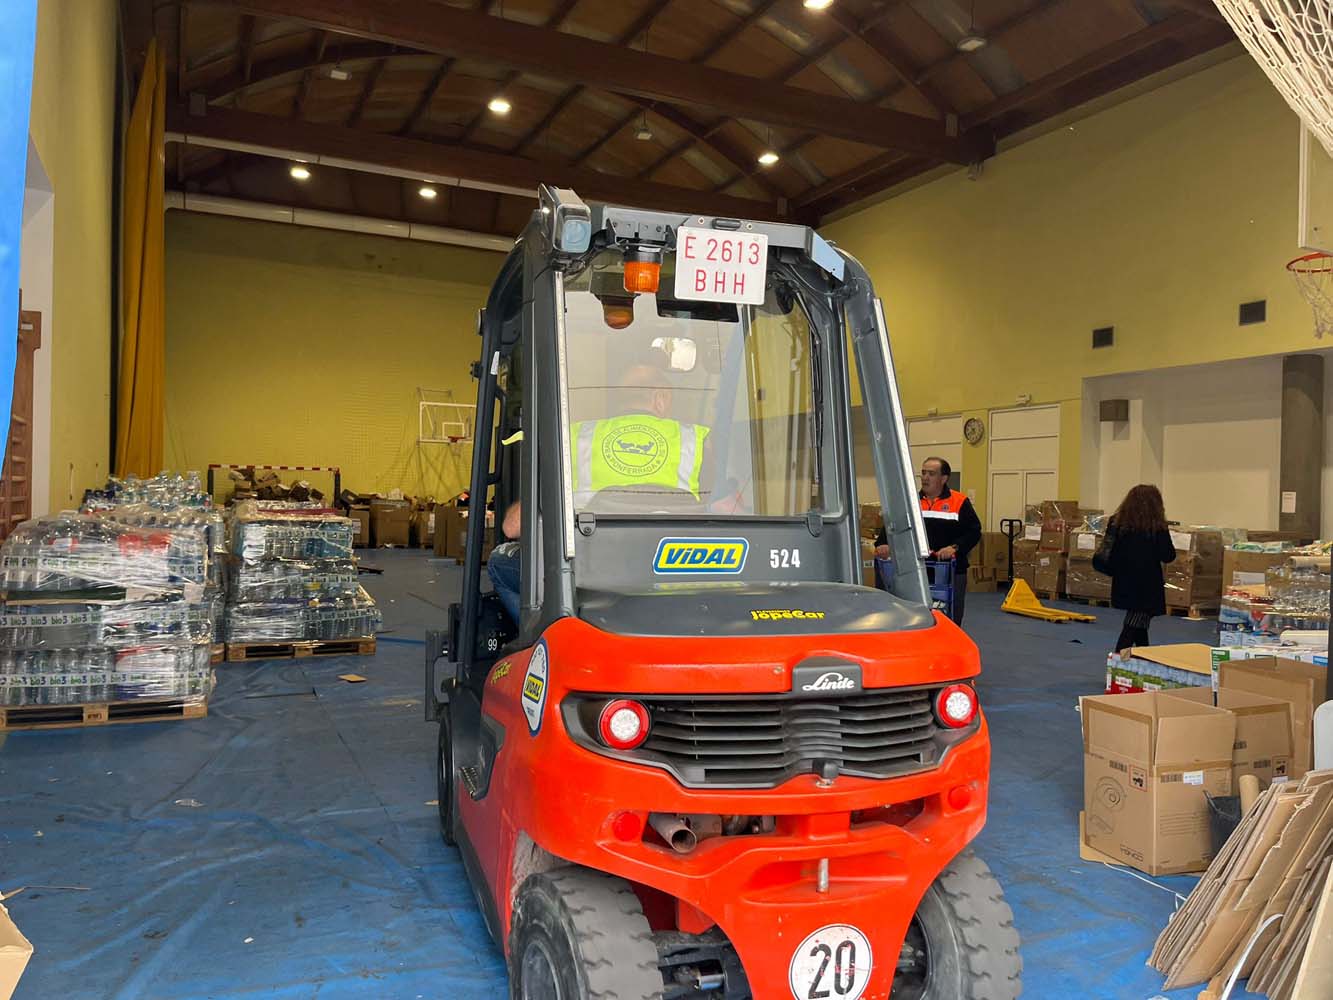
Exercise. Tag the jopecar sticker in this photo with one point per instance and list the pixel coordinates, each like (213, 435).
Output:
(834, 961)
(534, 689)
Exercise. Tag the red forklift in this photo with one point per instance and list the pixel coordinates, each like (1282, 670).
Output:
(705, 761)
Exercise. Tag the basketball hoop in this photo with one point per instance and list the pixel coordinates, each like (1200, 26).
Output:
(1314, 277)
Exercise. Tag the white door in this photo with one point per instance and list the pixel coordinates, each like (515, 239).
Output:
(941, 437)
(1024, 460)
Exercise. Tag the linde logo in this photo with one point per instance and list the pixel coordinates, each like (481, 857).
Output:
(831, 681)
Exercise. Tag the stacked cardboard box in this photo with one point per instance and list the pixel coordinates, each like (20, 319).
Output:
(1148, 760)
(451, 533)
(390, 523)
(994, 554)
(1194, 580)
(97, 610)
(1025, 558)
(1082, 580)
(1290, 595)
(422, 525)
(294, 578)
(1275, 865)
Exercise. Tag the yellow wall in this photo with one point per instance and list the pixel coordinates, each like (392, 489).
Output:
(298, 346)
(73, 118)
(1157, 216)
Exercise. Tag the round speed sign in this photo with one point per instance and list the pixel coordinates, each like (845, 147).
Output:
(833, 963)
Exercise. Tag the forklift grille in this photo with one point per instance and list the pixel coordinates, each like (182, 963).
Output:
(765, 741)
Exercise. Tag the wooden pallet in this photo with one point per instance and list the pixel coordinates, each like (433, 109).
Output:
(100, 714)
(217, 652)
(1092, 602)
(242, 651)
(1194, 612)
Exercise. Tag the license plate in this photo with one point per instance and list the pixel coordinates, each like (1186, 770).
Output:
(716, 266)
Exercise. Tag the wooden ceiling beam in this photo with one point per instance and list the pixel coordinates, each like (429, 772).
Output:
(428, 158)
(1100, 79)
(711, 136)
(422, 107)
(1082, 66)
(1199, 8)
(886, 45)
(247, 47)
(784, 76)
(367, 92)
(555, 21)
(451, 31)
(640, 24)
(308, 78)
(300, 62)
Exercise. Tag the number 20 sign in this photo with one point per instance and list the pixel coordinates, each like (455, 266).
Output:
(714, 266)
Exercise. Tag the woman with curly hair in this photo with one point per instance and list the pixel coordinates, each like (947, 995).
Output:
(1139, 544)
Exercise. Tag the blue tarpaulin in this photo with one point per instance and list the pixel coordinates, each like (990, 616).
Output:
(18, 36)
(287, 845)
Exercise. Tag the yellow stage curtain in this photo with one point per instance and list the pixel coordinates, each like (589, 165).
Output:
(140, 410)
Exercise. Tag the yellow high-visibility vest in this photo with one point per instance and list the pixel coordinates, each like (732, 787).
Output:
(636, 449)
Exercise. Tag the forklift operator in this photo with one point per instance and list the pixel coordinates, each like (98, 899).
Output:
(642, 450)
(952, 526)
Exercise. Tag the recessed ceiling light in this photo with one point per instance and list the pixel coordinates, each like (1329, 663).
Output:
(338, 73)
(427, 192)
(971, 42)
(499, 105)
(818, 4)
(299, 171)
(767, 158)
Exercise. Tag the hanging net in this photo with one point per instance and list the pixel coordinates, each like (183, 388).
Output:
(1292, 41)
(1314, 277)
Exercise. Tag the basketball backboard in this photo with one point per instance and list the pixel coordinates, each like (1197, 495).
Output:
(1315, 194)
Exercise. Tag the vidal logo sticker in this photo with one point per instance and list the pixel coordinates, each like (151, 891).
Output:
(712, 556)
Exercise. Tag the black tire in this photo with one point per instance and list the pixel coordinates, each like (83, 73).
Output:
(444, 780)
(966, 931)
(581, 935)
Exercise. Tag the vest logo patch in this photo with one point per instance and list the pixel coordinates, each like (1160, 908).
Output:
(635, 450)
(714, 556)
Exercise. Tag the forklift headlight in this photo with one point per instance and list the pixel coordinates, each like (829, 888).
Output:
(623, 724)
(956, 706)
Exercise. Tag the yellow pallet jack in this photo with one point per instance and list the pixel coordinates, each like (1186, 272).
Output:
(1022, 601)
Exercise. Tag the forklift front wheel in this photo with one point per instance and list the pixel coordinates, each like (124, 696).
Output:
(579, 934)
(962, 944)
(444, 780)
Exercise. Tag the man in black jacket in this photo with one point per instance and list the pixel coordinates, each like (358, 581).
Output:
(952, 527)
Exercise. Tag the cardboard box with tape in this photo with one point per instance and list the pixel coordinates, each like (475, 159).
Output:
(1148, 759)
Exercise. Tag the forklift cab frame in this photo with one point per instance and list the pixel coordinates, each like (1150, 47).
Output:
(571, 556)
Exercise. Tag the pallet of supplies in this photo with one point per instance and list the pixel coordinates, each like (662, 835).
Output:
(294, 581)
(103, 621)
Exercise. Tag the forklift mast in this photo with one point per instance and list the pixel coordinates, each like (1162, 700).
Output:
(574, 258)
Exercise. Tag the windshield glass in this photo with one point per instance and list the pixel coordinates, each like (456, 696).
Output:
(684, 407)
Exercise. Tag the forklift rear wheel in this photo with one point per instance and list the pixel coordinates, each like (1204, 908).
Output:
(577, 935)
(961, 944)
(444, 781)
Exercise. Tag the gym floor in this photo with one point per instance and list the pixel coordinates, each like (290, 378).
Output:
(286, 846)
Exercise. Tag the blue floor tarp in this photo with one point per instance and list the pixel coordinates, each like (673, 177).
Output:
(286, 846)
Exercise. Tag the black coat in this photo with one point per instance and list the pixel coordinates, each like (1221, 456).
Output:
(963, 534)
(1137, 582)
